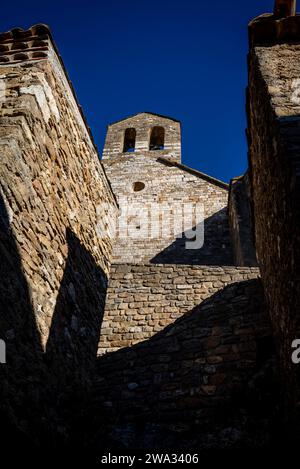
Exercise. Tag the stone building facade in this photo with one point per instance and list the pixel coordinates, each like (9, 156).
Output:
(241, 221)
(54, 265)
(143, 133)
(52, 182)
(143, 299)
(137, 340)
(161, 200)
(273, 133)
(156, 276)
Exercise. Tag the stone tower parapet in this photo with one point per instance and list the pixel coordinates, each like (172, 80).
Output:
(149, 134)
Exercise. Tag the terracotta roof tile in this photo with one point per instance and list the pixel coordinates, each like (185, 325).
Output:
(18, 44)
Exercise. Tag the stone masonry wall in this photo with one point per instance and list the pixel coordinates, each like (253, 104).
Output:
(154, 213)
(204, 381)
(240, 222)
(51, 179)
(142, 300)
(143, 124)
(54, 256)
(274, 145)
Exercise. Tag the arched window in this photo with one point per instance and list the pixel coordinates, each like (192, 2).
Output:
(157, 138)
(129, 140)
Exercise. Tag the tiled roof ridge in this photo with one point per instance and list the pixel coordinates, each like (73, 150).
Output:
(20, 44)
(33, 45)
(13, 49)
(195, 172)
(144, 112)
(20, 33)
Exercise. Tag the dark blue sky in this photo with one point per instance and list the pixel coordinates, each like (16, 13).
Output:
(185, 59)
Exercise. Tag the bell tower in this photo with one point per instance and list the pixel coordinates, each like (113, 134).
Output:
(145, 134)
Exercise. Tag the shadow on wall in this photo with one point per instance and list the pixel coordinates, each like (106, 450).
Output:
(77, 319)
(206, 381)
(74, 337)
(41, 392)
(21, 375)
(216, 249)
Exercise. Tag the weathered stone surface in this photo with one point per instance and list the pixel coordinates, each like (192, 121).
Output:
(240, 222)
(114, 142)
(186, 349)
(273, 128)
(180, 289)
(54, 257)
(203, 374)
(152, 228)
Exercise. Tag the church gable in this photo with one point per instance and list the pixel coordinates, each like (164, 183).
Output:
(166, 189)
(144, 133)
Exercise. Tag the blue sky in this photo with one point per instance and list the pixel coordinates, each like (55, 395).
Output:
(186, 59)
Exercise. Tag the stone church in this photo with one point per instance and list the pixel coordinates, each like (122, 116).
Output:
(142, 160)
(136, 338)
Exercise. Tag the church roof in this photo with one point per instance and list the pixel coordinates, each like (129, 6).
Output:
(144, 112)
(195, 172)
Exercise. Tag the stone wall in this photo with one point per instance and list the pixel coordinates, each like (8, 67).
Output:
(54, 256)
(205, 381)
(143, 124)
(190, 360)
(240, 222)
(142, 300)
(156, 231)
(273, 121)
